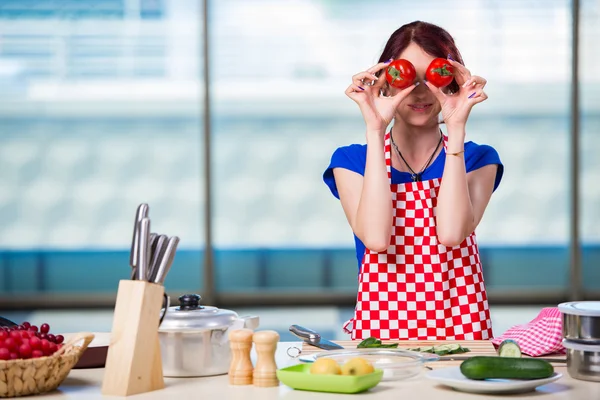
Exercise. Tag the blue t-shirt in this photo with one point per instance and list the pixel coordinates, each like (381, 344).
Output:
(354, 158)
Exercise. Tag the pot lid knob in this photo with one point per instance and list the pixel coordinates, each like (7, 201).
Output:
(189, 302)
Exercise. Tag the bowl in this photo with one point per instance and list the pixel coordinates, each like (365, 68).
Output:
(581, 321)
(396, 364)
(583, 361)
(24, 377)
(97, 350)
(299, 377)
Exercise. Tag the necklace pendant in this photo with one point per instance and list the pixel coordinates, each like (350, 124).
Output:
(415, 177)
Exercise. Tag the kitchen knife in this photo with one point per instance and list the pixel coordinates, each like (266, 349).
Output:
(313, 338)
(153, 240)
(144, 250)
(158, 252)
(151, 248)
(142, 212)
(6, 322)
(166, 260)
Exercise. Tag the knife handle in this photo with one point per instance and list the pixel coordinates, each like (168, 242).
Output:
(143, 250)
(141, 212)
(166, 260)
(158, 251)
(305, 333)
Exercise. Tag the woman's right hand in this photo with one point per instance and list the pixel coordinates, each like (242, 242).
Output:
(377, 110)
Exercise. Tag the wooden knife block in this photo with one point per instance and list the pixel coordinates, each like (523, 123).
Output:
(133, 363)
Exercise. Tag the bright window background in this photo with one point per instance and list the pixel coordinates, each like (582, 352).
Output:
(590, 142)
(101, 109)
(281, 69)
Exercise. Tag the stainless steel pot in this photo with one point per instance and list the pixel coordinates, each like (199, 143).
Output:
(581, 321)
(194, 339)
(583, 361)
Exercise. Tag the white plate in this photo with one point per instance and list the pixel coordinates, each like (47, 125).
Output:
(452, 377)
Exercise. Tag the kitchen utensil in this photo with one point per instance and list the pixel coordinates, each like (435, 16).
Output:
(194, 339)
(455, 379)
(313, 338)
(396, 364)
(142, 212)
(299, 377)
(144, 250)
(158, 251)
(6, 322)
(583, 360)
(581, 321)
(166, 260)
(133, 363)
(153, 239)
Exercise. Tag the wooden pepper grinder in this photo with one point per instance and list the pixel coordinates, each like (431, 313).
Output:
(240, 369)
(265, 372)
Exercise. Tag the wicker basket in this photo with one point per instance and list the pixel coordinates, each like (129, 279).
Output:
(44, 374)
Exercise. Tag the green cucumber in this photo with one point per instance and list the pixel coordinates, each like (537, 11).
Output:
(488, 367)
(373, 343)
(509, 348)
(442, 350)
(453, 348)
(427, 349)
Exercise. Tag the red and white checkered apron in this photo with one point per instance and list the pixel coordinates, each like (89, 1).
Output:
(418, 288)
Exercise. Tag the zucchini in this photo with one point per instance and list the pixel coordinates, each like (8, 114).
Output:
(509, 348)
(488, 367)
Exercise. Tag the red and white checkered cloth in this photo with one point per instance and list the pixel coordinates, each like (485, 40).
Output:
(543, 335)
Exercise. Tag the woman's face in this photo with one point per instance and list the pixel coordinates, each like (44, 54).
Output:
(420, 108)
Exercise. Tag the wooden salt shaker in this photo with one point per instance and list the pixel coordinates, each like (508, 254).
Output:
(240, 369)
(265, 372)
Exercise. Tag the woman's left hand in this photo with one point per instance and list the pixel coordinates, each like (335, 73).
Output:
(456, 107)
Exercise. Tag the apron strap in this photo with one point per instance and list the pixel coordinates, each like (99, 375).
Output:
(388, 155)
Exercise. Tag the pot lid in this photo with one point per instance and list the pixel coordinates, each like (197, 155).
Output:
(191, 316)
(583, 308)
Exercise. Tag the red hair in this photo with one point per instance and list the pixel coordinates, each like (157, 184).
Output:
(433, 39)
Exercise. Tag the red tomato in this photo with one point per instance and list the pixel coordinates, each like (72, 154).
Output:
(400, 73)
(440, 73)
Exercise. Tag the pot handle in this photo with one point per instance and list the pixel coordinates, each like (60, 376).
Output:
(250, 321)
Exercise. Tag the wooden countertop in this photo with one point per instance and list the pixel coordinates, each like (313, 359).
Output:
(86, 384)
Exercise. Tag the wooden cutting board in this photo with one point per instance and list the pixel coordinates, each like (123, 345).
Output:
(476, 347)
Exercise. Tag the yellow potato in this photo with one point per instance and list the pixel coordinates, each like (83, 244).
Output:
(357, 366)
(325, 366)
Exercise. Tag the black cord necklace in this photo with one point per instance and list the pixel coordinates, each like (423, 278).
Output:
(416, 176)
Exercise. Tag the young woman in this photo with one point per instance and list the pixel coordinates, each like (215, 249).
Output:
(414, 196)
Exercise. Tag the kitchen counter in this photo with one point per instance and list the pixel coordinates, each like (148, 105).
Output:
(86, 384)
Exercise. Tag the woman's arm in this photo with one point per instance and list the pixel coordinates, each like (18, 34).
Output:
(367, 201)
(463, 197)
